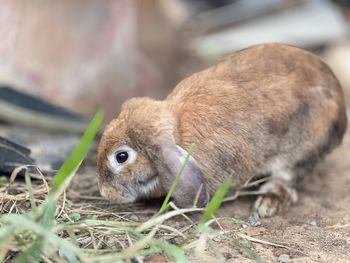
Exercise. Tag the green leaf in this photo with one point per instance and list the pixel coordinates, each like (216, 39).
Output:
(215, 202)
(177, 179)
(73, 161)
(75, 216)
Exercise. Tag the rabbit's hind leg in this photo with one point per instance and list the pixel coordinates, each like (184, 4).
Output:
(278, 194)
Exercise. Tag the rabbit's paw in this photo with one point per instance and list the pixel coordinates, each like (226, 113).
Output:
(277, 197)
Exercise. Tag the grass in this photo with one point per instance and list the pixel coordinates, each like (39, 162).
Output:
(41, 223)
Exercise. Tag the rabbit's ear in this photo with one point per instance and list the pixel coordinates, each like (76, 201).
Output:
(191, 184)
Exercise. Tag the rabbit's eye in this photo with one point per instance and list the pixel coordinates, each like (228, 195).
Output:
(122, 157)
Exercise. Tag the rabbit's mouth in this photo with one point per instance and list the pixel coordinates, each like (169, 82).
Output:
(148, 186)
(121, 197)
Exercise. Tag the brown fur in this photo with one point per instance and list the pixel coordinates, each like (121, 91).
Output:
(265, 102)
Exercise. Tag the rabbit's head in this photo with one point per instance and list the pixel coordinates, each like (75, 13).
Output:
(139, 159)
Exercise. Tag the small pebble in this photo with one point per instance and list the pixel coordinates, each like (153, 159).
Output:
(313, 223)
(134, 218)
(254, 219)
(283, 258)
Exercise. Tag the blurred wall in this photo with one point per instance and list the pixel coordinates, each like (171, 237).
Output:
(81, 54)
(90, 54)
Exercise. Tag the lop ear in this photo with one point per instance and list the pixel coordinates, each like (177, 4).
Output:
(191, 183)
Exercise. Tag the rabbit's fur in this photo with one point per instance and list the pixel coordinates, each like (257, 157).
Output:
(271, 109)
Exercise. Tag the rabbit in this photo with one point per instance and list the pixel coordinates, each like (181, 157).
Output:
(271, 109)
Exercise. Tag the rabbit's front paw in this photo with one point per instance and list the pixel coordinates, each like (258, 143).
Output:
(277, 197)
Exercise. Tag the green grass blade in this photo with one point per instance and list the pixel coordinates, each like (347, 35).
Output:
(173, 251)
(21, 221)
(31, 254)
(30, 189)
(161, 218)
(76, 157)
(5, 232)
(48, 220)
(177, 179)
(41, 220)
(36, 250)
(215, 202)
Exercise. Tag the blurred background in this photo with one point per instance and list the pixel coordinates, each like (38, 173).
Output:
(85, 55)
(94, 54)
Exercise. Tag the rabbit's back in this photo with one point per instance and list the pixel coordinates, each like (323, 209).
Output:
(260, 107)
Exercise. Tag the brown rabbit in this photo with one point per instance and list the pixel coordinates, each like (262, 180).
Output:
(271, 109)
